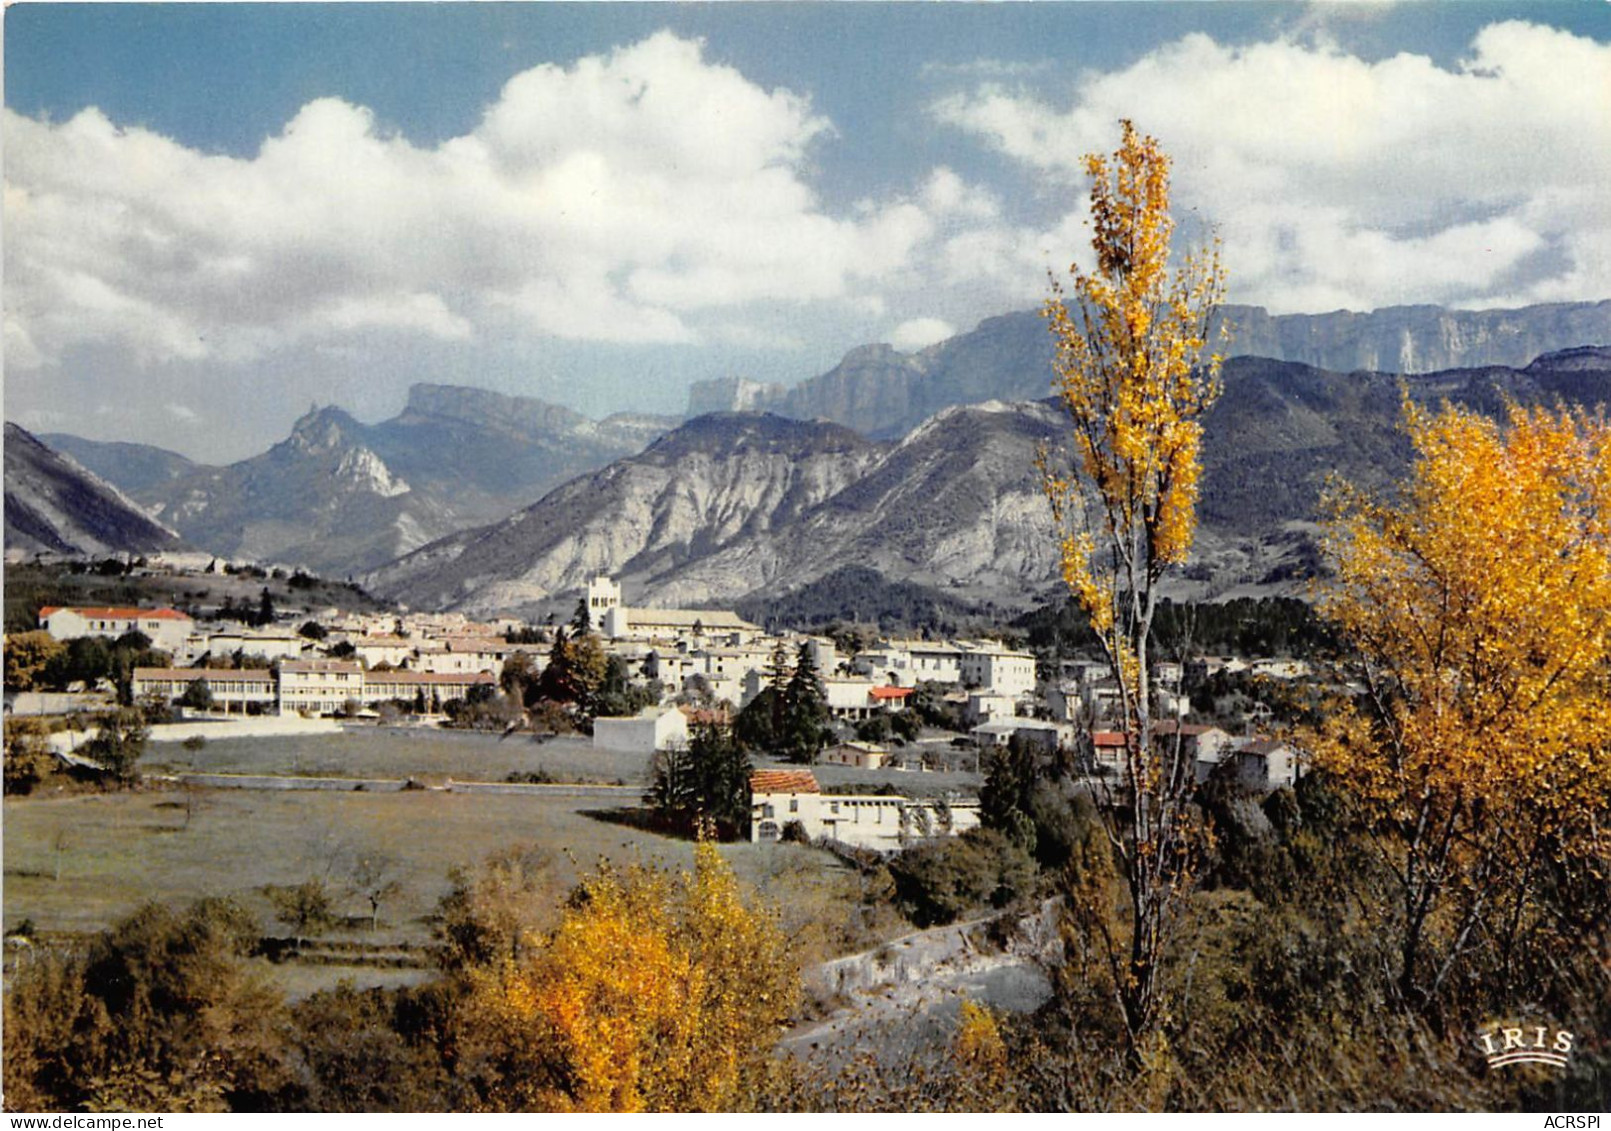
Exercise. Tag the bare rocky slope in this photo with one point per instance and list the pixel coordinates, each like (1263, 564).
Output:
(732, 505)
(717, 483)
(55, 505)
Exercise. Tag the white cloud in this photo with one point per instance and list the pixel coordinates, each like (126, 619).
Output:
(1341, 182)
(614, 200)
(183, 413)
(652, 197)
(916, 333)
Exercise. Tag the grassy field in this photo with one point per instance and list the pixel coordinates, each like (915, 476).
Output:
(430, 755)
(436, 755)
(116, 851)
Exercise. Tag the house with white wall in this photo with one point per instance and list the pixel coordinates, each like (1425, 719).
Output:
(1039, 732)
(465, 655)
(167, 629)
(1266, 764)
(393, 651)
(861, 755)
(988, 706)
(998, 668)
(603, 594)
(266, 645)
(319, 687)
(879, 822)
(622, 622)
(652, 729)
(855, 700)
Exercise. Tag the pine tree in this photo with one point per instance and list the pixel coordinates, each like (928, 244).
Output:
(805, 710)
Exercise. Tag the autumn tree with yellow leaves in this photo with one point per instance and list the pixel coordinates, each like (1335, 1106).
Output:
(1479, 604)
(1132, 375)
(656, 992)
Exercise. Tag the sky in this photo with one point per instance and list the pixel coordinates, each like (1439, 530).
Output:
(216, 215)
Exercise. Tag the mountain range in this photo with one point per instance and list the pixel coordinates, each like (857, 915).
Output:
(731, 506)
(915, 465)
(56, 506)
(338, 496)
(882, 392)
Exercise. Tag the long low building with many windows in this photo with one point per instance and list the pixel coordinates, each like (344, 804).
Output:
(310, 687)
(234, 691)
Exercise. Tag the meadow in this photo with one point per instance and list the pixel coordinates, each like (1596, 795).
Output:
(118, 850)
(400, 752)
(434, 756)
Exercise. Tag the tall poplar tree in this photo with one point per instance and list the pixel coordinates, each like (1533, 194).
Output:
(1132, 376)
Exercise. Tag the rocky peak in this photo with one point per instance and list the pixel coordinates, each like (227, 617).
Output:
(321, 430)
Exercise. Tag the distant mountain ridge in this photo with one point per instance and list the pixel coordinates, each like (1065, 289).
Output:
(344, 497)
(55, 505)
(138, 470)
(883, 392)
(339, 496)
(740, 506)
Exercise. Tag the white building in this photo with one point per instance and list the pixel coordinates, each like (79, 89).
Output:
(319, 687)
(1040, 732)
(624, 623)
(987, 706)
(857, 699)
(862, 755)
(824, 654)
(654, 728)
(1003, 670)
(911, 662)
(428, 690)
(1206, 746)
(268, 645)
(393, 651)
(937, 663)
(464, 655)
(168, 629)
(603, 594)
(234, 690)
(1268, 764)
(879, 822)
(888, 663)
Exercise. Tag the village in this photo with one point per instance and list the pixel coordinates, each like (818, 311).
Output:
(333, 668)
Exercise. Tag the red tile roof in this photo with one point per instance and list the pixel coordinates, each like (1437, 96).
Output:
(113, 612)
(890, 692)
(784, 781)
(1108, 738)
